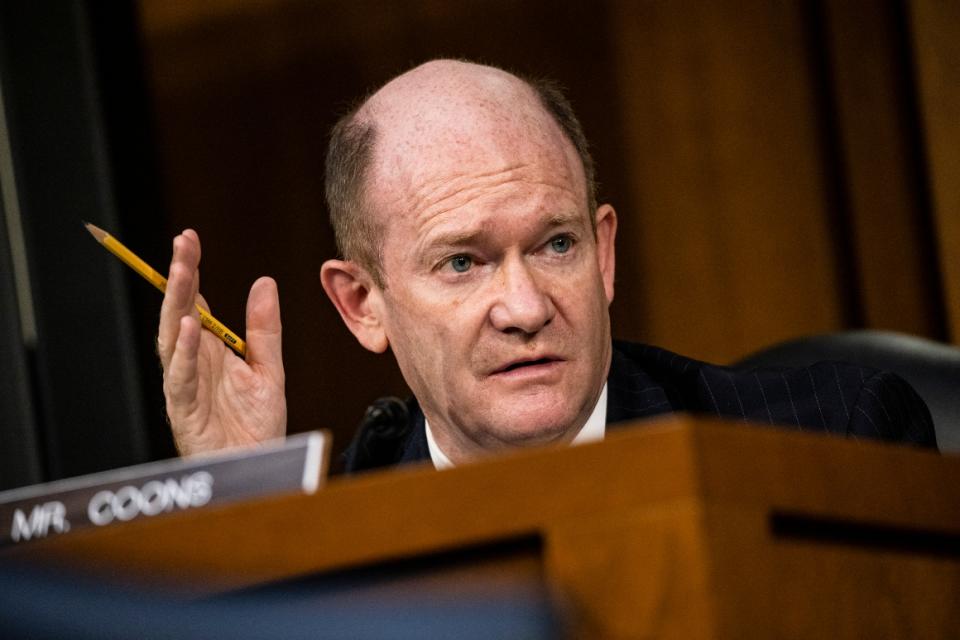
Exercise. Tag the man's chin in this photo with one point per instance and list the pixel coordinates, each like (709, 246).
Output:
(526, 428)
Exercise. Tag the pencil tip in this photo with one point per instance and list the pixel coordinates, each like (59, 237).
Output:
(95, 231)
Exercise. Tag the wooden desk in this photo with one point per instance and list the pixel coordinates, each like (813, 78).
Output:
(679, 528)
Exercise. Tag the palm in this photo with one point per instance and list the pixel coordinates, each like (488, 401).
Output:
(214, 398)
(238, 403)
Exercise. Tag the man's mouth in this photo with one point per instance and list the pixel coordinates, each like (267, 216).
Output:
(523, 364)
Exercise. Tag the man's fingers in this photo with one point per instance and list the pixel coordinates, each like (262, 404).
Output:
(193, 251)
(263, 327)
(181, 379)
(183, 282)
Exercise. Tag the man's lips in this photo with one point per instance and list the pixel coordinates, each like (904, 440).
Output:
(522, 364)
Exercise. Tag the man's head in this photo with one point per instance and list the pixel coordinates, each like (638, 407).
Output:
(350, 154)
(475, 251)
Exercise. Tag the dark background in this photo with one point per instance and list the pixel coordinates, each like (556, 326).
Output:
(779, 168)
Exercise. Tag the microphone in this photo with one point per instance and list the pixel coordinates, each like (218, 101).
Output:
(384, 428)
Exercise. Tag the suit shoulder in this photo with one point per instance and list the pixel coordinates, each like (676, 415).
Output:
(889, 408)
(818, 397)
(658, 362)
(845, 398)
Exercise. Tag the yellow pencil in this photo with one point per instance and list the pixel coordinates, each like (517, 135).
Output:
(114, 246)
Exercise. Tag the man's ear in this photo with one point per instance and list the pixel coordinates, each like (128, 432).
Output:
(359, 301)
(606, 251)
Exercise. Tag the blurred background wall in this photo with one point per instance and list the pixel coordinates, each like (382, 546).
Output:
(779, 168)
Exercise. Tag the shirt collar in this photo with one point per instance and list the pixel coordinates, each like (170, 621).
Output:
(592, 431)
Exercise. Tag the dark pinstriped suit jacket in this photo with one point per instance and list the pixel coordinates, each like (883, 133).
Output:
(647, 381)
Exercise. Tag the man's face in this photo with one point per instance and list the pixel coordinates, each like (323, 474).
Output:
(497, 290)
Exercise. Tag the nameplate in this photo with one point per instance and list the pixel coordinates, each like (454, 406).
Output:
(296, 464)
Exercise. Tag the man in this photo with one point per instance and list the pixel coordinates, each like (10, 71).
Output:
(463, 202)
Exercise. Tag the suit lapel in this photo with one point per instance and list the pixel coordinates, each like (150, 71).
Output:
(631, 393)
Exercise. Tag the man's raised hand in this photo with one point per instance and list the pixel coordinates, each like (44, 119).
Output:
(214, 398)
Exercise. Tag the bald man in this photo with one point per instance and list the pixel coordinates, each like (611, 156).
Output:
(473, 248)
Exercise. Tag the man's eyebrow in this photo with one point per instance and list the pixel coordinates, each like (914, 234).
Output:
(563, 219)
(458, 238)
(474, 236)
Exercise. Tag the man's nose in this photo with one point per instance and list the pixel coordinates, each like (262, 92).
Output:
(522, 303)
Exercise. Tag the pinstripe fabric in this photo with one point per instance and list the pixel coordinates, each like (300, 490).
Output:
(833, 397)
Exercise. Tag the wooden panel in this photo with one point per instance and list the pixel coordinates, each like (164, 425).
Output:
(670, 597)
(772, 587)
(936, 36)
(840, 552)
(664, 530)
(896, 271)
(387, 515)
(731, 239)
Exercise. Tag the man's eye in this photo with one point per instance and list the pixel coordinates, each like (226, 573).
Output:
(561, 244)
(461, 264)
